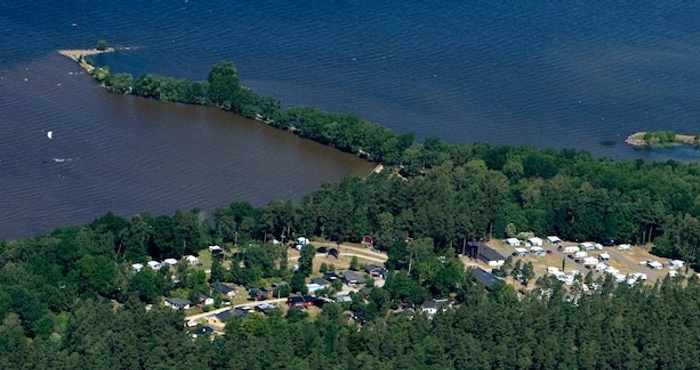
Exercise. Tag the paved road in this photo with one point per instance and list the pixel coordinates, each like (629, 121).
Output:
(362, 256)
(222, 309)
(363, 251)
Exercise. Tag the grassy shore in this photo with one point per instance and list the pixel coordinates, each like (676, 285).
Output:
(643, 139)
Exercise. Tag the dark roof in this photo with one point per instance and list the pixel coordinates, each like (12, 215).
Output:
(300, 299)
(490, 254)
(366, 290)
(435, 303)
(320, 281)
(352, 276)
(223, 316)
(296, 299)
(219, 287)
(179, 301)
(204, 330)
(486, 278)
(257, 291)
(331, 276)
(371, 267)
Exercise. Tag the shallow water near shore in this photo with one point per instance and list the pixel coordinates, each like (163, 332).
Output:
(548, 74)
(126, 154)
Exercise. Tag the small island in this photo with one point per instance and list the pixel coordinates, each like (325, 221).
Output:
(661, 139)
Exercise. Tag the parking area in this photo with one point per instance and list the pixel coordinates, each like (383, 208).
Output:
(626, 263)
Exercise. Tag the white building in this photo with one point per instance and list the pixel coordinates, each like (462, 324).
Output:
(534, 242)
(513, 242)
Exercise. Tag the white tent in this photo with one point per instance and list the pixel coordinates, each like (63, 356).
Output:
(169, 262)
(154, 265)
(536, 250)
(137, 267)
(303, 241)
(676, 264)
(553, 239)
(513, 242)
(656, 265)
(534, 242)
(192, 260)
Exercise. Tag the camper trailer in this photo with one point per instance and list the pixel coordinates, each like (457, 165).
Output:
(513, 242)
(521, 252)
(570, 250)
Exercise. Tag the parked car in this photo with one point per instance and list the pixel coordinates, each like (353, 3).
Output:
(333, 252)
(549, 251)
(322, 250)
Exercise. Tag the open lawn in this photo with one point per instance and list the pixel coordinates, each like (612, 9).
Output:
(204, 257)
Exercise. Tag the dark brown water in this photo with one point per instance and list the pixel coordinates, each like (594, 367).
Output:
(126, 154)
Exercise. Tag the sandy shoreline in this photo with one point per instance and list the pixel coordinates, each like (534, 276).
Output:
(78, 56)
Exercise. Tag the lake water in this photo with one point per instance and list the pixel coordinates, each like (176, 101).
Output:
(551, 74)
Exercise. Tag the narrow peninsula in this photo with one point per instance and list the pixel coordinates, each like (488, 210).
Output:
(222, 89)
(658, 139)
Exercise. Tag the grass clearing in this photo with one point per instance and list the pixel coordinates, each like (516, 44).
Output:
(204, 257)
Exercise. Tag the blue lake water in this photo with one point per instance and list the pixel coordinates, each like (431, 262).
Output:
(551, 74)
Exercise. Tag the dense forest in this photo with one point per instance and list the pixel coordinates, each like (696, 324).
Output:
(52, 318)
(438, 196)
